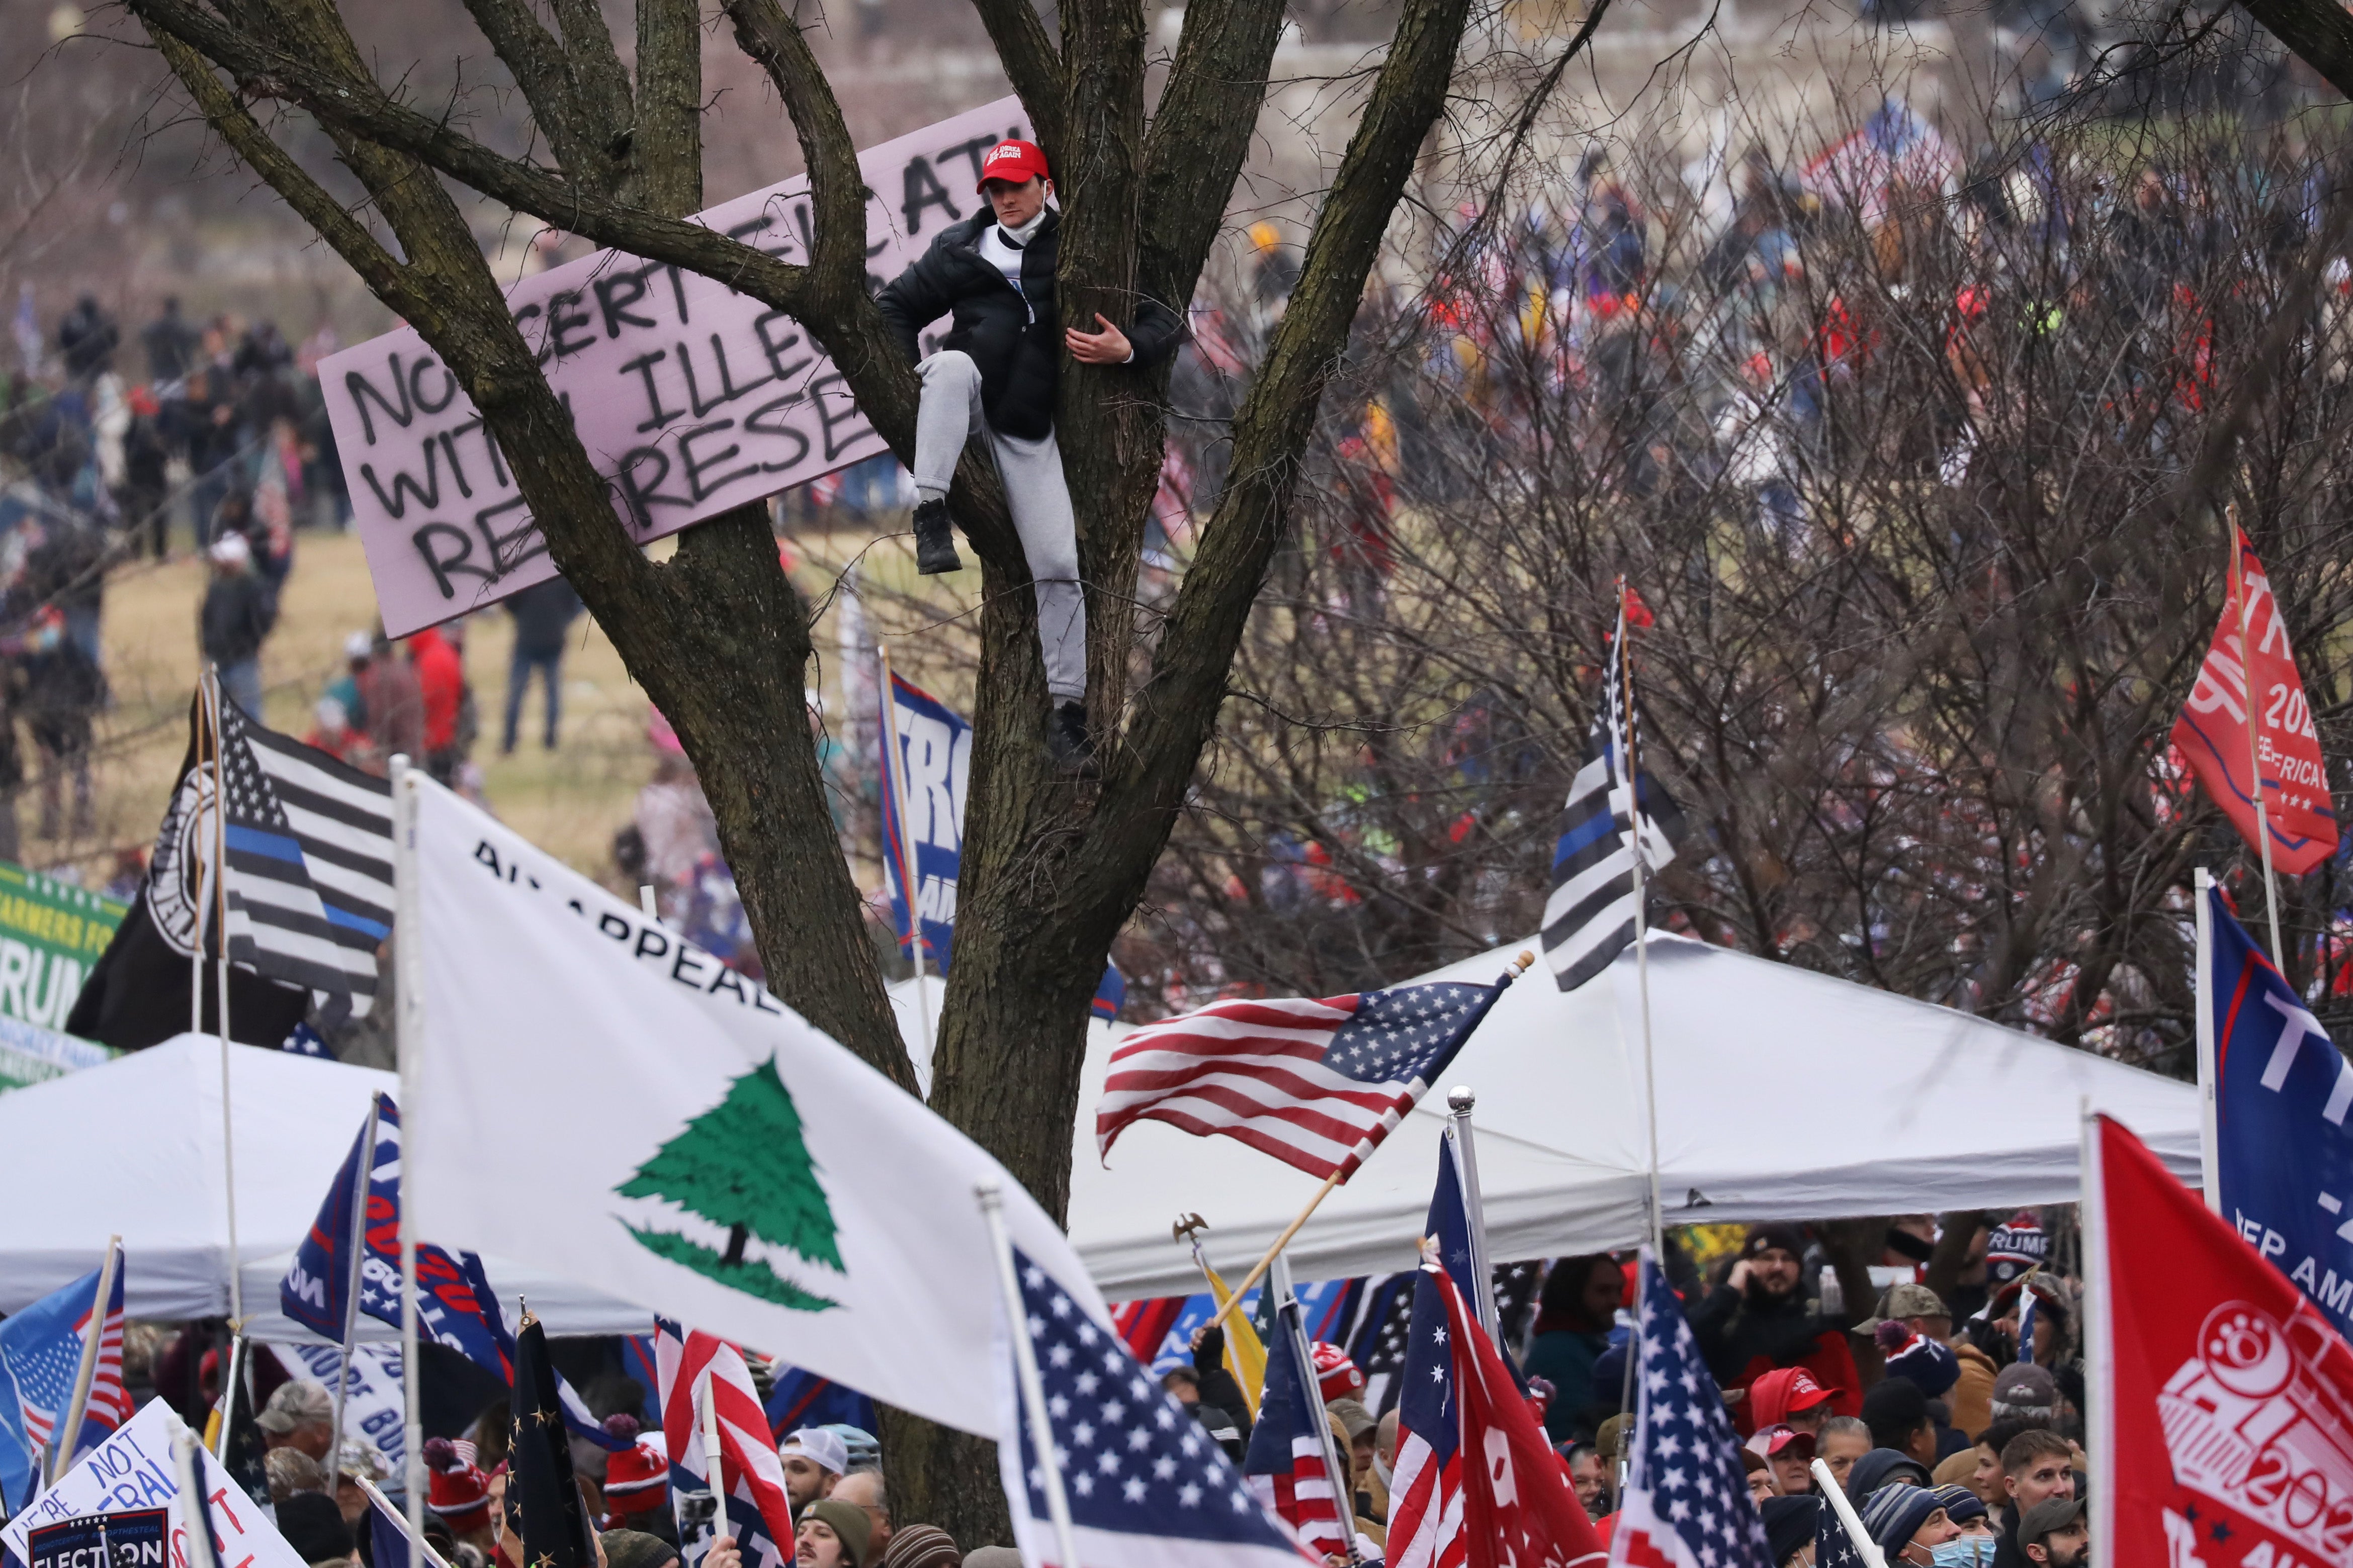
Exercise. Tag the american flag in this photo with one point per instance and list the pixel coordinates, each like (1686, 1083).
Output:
(1425, 1523)
(1286, 1462)
(40, 1360)
(1316, 1084)
(1588, 920)
(1147, 1487)
(1687, 1503)
(308, 845)
(1833, 1547)
(759, 1513)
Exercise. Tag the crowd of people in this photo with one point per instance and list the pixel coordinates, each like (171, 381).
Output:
(1955, 1445)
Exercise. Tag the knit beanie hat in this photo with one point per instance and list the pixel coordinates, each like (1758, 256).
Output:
(456, 1490)
(848, 1522)
(1893, 1515)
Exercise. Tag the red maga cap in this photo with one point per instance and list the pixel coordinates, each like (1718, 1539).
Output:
(1015, 163)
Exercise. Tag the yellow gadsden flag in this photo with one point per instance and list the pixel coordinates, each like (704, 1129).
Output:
(1245, 1355)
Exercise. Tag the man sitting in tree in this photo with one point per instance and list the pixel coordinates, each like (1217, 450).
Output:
(995, 374)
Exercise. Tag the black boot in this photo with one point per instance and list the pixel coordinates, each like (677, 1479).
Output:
(935, 550)
(1070, 742)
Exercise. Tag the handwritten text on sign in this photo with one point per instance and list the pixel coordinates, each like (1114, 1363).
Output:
(133, 1470)
(689, 397)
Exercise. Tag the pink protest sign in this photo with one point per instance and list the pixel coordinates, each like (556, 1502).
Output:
(689, 397)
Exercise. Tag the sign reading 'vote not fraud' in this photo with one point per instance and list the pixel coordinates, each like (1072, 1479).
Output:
(689, 397)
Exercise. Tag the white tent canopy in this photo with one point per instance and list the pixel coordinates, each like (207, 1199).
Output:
(1782, 1095)
(133, 1148)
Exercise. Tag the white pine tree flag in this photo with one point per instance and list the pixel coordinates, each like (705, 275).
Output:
(591, 1096)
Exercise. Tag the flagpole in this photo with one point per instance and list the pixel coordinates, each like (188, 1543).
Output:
(1025, 1366)
(61, 1453)
(195, 1508)
(1867, 1549)
(232, 1380)
(2255, 751)
(417, 1541)
(1459, 1102)
(204, 891)
(1335, 1475)
(2209, 1147)
(352, 1285)
(712, 1470)
(220, 1014)
(408, 1021)
(2099, 1366)
(1642, 918)
(894, 761)
(1517, 967)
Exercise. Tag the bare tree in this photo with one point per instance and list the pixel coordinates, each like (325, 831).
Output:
(1051, 869)
(1924, 489)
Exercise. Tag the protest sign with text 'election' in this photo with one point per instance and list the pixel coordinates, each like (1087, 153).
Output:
(2221, 1427)
(2283, 1156)
(650, 1121)
(689, 397)
(2250, 684)
(132, 1471)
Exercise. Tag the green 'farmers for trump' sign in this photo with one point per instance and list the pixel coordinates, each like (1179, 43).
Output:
(51, 934)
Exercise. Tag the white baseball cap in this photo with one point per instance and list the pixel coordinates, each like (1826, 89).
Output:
(823, 1448)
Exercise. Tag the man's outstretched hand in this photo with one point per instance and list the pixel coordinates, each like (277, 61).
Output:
(1109, 346)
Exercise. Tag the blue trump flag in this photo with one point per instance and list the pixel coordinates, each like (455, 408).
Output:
(2282, 1156)
(923, 781)
(454, 1304)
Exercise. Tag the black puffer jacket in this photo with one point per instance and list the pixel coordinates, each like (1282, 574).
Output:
(1014, 336)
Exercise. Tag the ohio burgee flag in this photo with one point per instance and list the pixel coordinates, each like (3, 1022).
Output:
(594, 1097)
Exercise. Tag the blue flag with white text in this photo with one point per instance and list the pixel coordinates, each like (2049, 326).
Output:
(2285, 1156)
(933, 764)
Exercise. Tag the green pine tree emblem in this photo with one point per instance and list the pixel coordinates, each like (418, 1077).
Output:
(742, 1166)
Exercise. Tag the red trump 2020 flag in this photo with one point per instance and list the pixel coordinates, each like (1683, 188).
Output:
(2211, 733)
(2221, 1419)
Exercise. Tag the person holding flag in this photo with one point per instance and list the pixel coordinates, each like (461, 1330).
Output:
(62, 1390)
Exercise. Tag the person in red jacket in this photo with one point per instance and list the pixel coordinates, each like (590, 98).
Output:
(441, 676)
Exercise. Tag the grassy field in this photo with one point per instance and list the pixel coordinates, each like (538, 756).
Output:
(569, 801)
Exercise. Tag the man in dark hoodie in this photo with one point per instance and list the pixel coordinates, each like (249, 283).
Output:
(1760, 1318)
(996, 374)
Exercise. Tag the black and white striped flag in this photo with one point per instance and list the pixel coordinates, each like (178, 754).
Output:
(1589, 918)
(309, 853)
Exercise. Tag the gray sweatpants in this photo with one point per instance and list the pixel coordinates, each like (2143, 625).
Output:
(1031, 471)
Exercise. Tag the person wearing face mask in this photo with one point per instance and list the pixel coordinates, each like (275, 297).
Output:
(996, 374)
(1974, 1547)
(1909, 1523)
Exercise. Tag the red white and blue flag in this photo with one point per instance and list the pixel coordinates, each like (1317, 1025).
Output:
(1687, 1503)
(1518, 1510)
(1285, 1460)
(1315, 1083)
(759, 1513)
(2282, 1156)
(1425, 1523)
(925, 775)
(454, 1304)
(1147, 1487)
(2221, 1399)
(40, 1360)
